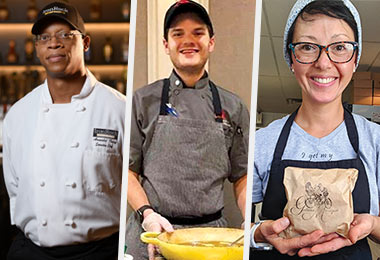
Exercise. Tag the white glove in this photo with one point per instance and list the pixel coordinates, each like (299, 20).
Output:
(154, 222)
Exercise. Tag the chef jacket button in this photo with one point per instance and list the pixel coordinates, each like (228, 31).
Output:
(42, 145)
(75, 145)
(176, 92)
(70, 223)
(177, 82)
(81, 109)
(45, 109)
(27, 234)
(44, 222)
(42, 183)
(71, 184)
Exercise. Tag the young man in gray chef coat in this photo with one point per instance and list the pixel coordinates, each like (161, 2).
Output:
(187, 136)
(63, 151)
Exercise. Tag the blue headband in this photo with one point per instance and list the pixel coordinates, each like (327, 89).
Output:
(299, 6)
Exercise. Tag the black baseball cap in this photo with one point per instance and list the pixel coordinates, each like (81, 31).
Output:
(59, 11)
(186, 6)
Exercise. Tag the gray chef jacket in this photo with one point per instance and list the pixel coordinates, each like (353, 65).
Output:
(192, 103)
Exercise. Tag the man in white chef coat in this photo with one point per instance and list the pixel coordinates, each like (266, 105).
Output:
(63, 151)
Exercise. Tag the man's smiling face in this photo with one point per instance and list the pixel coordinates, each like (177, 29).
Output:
(189, 43)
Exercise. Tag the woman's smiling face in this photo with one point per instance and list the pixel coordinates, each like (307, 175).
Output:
(323, 81)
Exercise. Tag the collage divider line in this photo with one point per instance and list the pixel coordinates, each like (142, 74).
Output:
(127, 130)
(252, 128)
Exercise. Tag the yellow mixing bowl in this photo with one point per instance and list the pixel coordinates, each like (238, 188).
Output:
(172, 245)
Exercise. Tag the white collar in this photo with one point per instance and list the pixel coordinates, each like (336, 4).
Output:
(87, 88)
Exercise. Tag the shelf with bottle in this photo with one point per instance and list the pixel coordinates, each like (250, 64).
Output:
(108, 29)
(107, 11)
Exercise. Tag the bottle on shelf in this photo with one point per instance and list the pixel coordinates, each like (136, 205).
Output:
(3, 89)
(37, 79)
(29, 50)
(21, 84)
(95, 10)
(12, 88)
(4, 12)
(12, 57)
(2, 116)
(126, 9)
(32, 11)
(27, 79)
(125, 49)
(108, 50)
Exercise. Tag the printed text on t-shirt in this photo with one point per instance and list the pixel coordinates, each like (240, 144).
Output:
(317, 156)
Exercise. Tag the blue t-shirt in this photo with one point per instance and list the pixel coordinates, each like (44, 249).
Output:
(333, 147)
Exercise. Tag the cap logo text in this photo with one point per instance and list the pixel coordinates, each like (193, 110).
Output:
(55, 10)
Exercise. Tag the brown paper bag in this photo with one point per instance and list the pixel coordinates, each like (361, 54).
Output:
(319, 199)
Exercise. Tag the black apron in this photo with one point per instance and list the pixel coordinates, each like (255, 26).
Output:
(23, 248)
(275, 199)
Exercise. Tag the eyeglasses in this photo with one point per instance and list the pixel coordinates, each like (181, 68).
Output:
(338, 52)
(62, 35)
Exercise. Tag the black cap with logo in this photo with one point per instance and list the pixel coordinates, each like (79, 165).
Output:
(59, 11)
(186, 6)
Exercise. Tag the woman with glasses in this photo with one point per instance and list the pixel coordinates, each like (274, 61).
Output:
(322, 46)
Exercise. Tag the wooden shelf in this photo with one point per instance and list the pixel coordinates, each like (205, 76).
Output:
(108, 68)
(114, 27)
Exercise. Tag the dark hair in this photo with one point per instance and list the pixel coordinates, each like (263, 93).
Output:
(210, 30)
(336, 9)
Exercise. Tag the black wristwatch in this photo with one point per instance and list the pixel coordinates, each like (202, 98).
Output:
(141, 210)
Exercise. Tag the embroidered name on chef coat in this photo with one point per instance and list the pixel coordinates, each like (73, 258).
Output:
(105, 137)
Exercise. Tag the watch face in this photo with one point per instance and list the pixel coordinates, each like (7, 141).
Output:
(140, 214)
(141, 210)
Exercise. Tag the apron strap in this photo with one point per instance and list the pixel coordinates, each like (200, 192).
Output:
(164, 97)
(283, 139)
(216, 103)
(352, 130)
(215, 100)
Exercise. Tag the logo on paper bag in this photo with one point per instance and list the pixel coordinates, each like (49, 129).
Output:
(315, 203)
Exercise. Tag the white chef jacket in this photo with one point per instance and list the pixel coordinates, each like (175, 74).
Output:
(63, 164)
